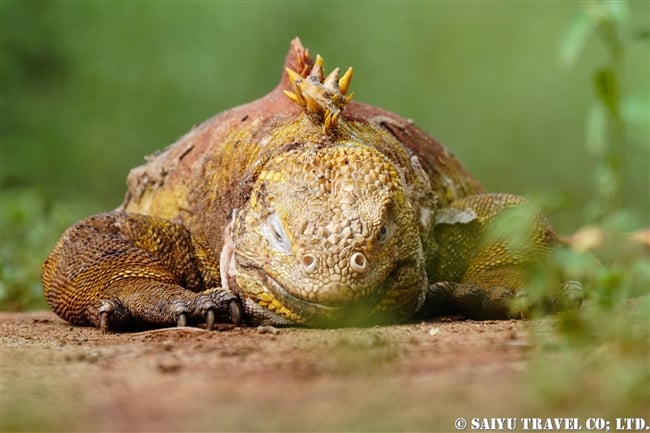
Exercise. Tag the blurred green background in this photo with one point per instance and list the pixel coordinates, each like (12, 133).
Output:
(89, 88)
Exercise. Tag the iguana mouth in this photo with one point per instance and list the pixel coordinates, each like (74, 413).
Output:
(308, 312)
(290, 300)
(359, 312)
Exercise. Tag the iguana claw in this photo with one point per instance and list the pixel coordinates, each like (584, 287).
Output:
(105, 310)
(216, 304)
(209, 307)
(209, 319)
(181, 311)
(236, 312)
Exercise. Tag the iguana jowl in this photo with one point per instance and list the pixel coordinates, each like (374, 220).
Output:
(302, 207)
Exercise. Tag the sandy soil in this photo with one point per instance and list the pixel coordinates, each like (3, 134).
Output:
(57, 377)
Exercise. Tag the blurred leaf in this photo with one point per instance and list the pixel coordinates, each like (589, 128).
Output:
(617, 11)
(587, 238)
(576, 38)
(596, 134)
(606, 85)
(576, 264)
(514, 226)
(605, 179)
(636, 110)
(29, 228)
(622, 221)
(642, 35)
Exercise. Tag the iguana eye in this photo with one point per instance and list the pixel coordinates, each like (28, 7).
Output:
(382, 237)
(274, 232)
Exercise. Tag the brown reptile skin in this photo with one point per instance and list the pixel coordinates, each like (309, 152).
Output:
(300, 208)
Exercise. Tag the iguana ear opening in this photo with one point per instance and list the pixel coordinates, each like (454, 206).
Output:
(274, 232)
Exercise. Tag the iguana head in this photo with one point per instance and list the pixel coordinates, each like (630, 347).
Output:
(328, 236)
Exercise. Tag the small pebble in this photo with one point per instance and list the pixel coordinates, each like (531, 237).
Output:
(268, 330)
(169, 365)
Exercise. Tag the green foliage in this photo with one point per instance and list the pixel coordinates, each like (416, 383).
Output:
(29, 229)
(607, 120)
(596, 357)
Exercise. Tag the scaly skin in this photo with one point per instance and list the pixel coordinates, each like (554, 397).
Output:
(299, 208)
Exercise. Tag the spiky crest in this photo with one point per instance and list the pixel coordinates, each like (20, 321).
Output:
(322, 95)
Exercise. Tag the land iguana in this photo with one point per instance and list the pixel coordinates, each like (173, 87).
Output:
(300, 208)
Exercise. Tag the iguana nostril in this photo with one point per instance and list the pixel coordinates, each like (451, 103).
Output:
(309, 263)
(358, 262)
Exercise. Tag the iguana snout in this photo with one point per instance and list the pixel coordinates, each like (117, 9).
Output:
(329, 233)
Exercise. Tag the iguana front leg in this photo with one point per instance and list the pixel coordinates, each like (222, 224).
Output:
(489, 248)
(123, 271)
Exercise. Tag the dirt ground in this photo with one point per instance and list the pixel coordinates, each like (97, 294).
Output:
(415, 377)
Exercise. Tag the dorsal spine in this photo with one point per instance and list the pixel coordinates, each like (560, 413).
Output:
(324, 96)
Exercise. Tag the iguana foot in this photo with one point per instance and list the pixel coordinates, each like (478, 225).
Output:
(472, 301)
(573, 293)
(208, 307)
(475, 302)
(212, 306)
(567, 297)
